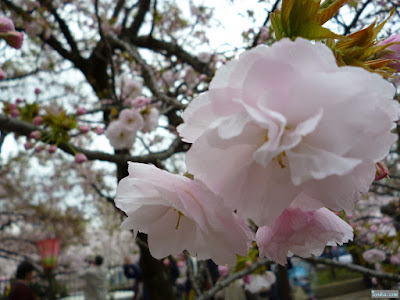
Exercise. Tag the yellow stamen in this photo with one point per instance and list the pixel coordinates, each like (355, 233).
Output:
(179, 219)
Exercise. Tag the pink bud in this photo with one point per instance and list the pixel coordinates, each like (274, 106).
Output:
(381, 171)
(166, 262)
(19, 100)
(248, 263)
(35, 134)
(223, 270)
(52, 149)
(373, 228)
(38, 91)
(15, 39)
(38, 149)
(180, 264)
(14, 113)
(28, 145)
(203, 77)
(37, 120)
(2, 74)
(6, 25)
(81, 111)
(84, 128)
(99, 130)
(80, 158)
(140, 101)
(189, 92)
(247, 279)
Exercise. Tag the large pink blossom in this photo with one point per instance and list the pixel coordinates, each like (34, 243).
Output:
(285, 123)
(178, 213)
(303, 233)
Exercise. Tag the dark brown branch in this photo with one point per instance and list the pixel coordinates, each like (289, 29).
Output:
(255, 42)
(24, 128)
(348, 28)
(353, 267)
(147, 72)
(231, 278)
(144, 6)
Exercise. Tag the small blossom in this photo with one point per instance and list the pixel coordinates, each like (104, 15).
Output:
(119, 136)
(150, 116)
(140, 102)
(395, 259)
(386, 220)
(259, 283)
(37, 120)
(80, 158)
(131, 119)
(223, 270)
(166, 262)
(131, 88)
(374, 255)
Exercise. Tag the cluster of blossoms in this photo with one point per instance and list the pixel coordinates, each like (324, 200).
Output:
(10, 35)
(283, 137)
(141, 115)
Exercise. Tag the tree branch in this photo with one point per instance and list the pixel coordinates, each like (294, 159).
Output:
(231, 278)
(24, 128)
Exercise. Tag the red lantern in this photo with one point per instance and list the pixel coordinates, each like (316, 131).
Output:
(49, 250)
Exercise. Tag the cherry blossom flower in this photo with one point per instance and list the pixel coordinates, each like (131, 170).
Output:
(303, 233)
(178, 213)
(119, 136)
(284, 123)
(140, 102)
(259, 283)
(150, 116)
(131, 88)
(374, 255)
(99, 130)
(396, 51)
(131, 119)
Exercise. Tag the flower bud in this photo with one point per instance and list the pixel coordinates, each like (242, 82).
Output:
(52, 149)
(81, 111)
(80, 158)
(6, 25)
(37, 120)
(381, 171)
(35, 134)
(14, 39)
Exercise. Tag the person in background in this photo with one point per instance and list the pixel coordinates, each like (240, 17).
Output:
(133, 271)
(20, 289)
(95, 277)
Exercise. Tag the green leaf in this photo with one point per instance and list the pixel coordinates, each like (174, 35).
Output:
(328, 9)
(314, 31)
